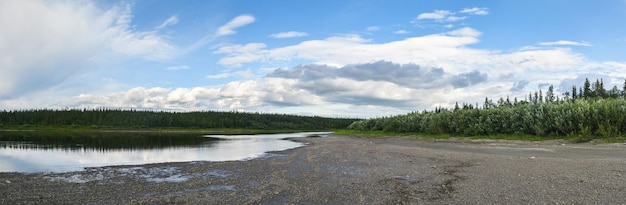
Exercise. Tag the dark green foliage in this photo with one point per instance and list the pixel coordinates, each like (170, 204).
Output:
(592, 113)
(113, 118)
(599, 117)
(101, 140)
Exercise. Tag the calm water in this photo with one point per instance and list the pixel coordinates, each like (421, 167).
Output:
(63, 152)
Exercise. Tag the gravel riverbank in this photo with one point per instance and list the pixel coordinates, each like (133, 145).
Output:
(352, 170)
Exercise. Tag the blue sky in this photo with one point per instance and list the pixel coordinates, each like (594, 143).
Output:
(328, 58)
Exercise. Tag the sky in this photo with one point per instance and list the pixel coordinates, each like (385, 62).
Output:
(349, 58)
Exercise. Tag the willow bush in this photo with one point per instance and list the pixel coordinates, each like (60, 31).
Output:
(586, 117)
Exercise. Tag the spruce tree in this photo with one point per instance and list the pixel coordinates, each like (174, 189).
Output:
(550, 94)
(587, 89)
(624, 90)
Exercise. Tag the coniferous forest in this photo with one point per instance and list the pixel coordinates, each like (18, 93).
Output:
(133, 119)
(588, 111)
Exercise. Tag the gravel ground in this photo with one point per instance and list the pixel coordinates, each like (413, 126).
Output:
(352, 170)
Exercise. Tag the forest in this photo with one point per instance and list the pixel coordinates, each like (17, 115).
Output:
(105, 118)
(590, 111)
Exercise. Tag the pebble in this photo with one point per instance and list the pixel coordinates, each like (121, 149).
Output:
(7, 181)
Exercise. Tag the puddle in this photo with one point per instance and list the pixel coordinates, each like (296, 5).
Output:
(118, 175)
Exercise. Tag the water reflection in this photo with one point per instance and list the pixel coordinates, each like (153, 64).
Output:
(100, 140)
(62, 152)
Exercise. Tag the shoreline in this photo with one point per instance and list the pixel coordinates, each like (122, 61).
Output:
(348, 170)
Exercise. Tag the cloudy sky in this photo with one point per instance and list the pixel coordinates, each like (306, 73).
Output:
(349, 58)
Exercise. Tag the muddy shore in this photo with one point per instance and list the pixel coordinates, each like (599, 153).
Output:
(352, 170)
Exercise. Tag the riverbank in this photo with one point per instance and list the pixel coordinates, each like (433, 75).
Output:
(353, 170)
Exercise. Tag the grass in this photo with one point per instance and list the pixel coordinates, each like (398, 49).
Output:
(437, 136)
(524, 137)
(342, 132)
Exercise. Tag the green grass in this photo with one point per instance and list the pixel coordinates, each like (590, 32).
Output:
(525, 137)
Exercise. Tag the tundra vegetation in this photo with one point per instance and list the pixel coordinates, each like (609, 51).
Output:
(582, 114)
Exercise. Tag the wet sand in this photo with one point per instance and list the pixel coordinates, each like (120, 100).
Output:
(353, 170)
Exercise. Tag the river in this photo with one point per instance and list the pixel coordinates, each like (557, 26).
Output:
(65, 152)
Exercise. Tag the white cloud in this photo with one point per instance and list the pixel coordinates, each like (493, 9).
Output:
(126, 40)
(440, 16)
(436, 15)
(565, 43)
(54, 44)
(342, 50)
(57, 40)
(179, 67)
(418, 73)
(239, 21)
(372, 28)
(448, 51)
(475, 11)
(401, 32)
(238, 54)
(242, 74)
(289, 34)
(465, 31)
(173, 20)
(449, 16)
(388, 87)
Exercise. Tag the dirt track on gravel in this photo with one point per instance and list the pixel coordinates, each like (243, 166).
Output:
(353, 170)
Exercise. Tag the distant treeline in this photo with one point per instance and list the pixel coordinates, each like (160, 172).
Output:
(590, 111)
(118, 118)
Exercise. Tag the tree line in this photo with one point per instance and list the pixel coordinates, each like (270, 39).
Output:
(119, 118)
(587, 111)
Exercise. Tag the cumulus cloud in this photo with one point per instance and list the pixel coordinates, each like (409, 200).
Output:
(519, 86)
(381, 83)
(405, 75)
(363, 90)
(239, 21)
(352, 49)
(440, 15)
(236, 95)
(468, 79)
(56, 40)
(345, 75)
(466, 31)
(289, 34)
(419, 71)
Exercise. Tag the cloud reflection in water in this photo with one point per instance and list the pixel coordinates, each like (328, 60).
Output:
(27, 157)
